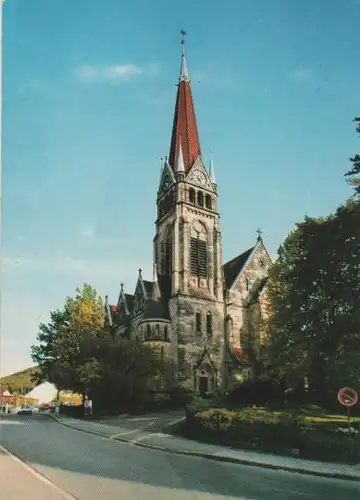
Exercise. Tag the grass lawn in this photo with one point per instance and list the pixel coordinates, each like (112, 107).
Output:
(311, 417)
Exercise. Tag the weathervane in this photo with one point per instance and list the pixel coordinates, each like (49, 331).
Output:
(183, 35)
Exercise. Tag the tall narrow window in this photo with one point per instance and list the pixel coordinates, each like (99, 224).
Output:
(192, 196)
(198, 322)
(166, 334)
(208, 201)
(209, 325)
(200, 198)
(198, 256)
(157, 331)
(148, 332)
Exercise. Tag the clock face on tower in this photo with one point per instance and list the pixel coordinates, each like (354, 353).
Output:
(199, 178)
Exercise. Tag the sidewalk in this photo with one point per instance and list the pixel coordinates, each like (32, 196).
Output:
(20, 480)
(183, 446)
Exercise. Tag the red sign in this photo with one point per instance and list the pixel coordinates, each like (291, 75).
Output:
(347, 396)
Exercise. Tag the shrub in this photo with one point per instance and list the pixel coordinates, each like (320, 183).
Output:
(278, 432)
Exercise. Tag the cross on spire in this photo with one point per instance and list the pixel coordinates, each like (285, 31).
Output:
(183, 35)
(259, 234)
(183, 69)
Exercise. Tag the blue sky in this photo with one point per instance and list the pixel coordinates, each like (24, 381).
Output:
(89, 92)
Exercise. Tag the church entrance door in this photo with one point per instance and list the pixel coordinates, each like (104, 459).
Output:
(203, 385)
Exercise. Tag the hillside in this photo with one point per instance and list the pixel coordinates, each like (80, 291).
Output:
(20, 382)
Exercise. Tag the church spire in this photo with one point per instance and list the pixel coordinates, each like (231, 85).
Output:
(212, 170)
(180, 164)
(184, 124)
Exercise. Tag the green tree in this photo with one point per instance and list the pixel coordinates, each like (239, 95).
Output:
(58, 352)
(314, 301)
(77, 351)
(45, 354)
(354, 174)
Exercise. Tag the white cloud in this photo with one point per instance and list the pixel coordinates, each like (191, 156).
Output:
(302, 74)
(108, 74)
(87, 232)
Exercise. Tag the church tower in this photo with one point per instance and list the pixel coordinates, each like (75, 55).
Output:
(187, 244)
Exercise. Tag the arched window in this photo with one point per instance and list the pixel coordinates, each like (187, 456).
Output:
(148, 332)
(192, 196)
(208, 201)
(198, 322)
(166, 334)
(200, 198)
(157, 331)
(209, 326)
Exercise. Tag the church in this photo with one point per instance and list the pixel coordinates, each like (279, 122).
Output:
(201, 313)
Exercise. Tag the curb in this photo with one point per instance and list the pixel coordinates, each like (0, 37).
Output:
(218, 458)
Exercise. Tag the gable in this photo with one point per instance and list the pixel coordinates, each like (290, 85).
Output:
(140, 290)
(198, 172)
(254, 262)
(205, 358)
(167, 179)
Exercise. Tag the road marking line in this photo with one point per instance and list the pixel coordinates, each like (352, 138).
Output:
(37, 474)
(140, 419)
(145, 436)
(126, 433)
(176, 420)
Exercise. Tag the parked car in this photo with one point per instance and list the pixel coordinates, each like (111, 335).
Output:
(25, 410)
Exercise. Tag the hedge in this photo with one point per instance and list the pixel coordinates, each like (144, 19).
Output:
(274, 432)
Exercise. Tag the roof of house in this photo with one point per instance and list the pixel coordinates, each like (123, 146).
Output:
(155, 310)
(149, 286)
(129, 300)
(233, 267)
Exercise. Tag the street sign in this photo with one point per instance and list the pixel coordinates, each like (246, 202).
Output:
(348, 396)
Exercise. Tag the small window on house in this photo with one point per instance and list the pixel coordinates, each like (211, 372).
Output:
(209, 324)
(198, 322)
(192, 196)
(166, 334)
(148, 332)
(200, 199)
(208, 201)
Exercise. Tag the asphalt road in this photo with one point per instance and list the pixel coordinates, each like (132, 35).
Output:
(90, 467)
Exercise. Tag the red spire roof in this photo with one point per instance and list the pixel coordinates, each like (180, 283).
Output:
(184, 126)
